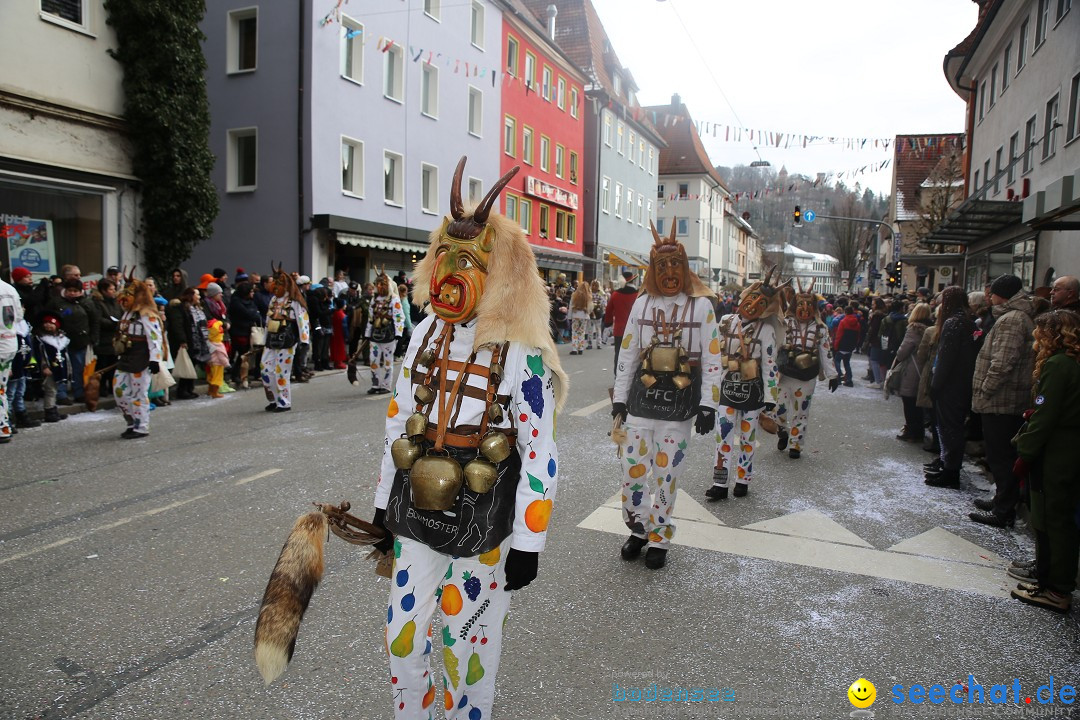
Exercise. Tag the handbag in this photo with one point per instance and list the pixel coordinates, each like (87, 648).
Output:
(258, 336)
(184, 369)
(162, 380)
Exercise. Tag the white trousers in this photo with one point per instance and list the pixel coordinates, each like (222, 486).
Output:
(132, 392)
(382, 364)
(277, 375)
(652, 457)
(793, 410)
(5, 406)
(735, 434)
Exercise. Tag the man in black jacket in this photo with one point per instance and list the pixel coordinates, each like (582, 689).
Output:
(79, 321)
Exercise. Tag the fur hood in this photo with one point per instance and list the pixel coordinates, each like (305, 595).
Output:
(514, 306)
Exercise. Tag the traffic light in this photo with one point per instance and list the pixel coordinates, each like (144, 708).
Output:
(797, 217)
(899, 270)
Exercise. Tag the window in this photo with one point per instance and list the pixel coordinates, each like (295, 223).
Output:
(510, 136)
(393, 178)
(243, 159)
(560, 225)
(648, 210)
(999, 158)
(511, 56)
(545, 153)
(617, 85)
(525, 215)
(1073, 130)
(352, 49)
(394, 73)
(72, 13)
(429, 90)
(511, 207)
(1029, 142)
(573, 167)
(993, 85)
(986, 173)
(1014, 148)
(605, 194)
(652, 167)
(976, 186)
(629, 205)
(352, 167)
(1050, 126)
(621, 133)
(633, 148)
(1005, 68)
(607, 129)
(618, 200)
(640, 209)
(527, 144)
(571, 227)
(560, 94)
(982, 101)
(660, 227)
(431, 8)
(243, 40)
(429, 189)
(1021, 48)
(684, 190)
(476, 27)
(545, 88)
(544, 215)
(573, 102)
(1063, 6)
(1042, 15)
(683, 226)
(641, 154)
(660, 191)
(476, 111)
(530, 69)
(476, 190)
(560, 161)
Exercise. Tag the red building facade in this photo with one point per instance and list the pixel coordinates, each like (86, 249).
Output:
(543, 131)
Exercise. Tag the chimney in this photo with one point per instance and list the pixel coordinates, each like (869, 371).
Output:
(676, 101)
(552, 11)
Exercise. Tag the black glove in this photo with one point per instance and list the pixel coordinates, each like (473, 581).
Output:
(521, 567)
(387, 543)
(618, 410)
(833, 384)
(705, 421)
(155, 367)
(770, 407)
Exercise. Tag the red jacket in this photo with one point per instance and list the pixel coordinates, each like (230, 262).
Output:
(618, 308)
(847, 334)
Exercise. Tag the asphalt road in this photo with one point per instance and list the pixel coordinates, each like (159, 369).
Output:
(130, 574)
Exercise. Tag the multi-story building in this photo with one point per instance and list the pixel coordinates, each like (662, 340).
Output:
(744, 244)
(794, 262)
(67, 189)
(691, 194)
(543, 131)
(621, 145)
(1019, 72)
(337, 134)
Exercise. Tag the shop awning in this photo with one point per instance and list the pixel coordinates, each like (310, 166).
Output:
(380, 243)
(561, 260)
(625, 258)
(932, 259)
(975, 220)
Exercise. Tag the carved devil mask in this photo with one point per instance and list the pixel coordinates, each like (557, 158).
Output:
(759, 298)
(669, 269)
(806, 303)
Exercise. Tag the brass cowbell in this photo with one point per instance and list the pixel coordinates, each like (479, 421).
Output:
(480, 475)
(416, 425)
(495, 447)
(405, 452)
(423, 394)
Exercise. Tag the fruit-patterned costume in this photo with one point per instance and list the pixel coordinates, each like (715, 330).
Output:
(10, 315)
(131, 386)
(487, 299)
(793, 408)
(386, 325)
(277, 363)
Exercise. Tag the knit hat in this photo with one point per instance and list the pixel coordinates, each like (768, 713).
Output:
(46, 319)
(205, 280)
(20, 273)
(1005, 286)
(241, 276)
(303, 280)
(213, 289)
(218, 272)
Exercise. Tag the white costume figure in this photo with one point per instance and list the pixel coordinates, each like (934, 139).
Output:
(286, 326)
(668, 373)
(470, 468)
(750, 382)
(581, 307)
(596, 320)
(138, 345)
(386, 325)
(11, 314)
(808, 358)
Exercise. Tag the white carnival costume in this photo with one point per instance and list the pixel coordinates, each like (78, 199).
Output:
(287, 326)
(385, 326)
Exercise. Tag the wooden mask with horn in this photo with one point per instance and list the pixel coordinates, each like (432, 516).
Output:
(669, 268)
(806, 308)
(762, 298)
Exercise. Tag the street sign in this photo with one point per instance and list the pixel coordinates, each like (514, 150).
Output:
(844, 274)
(809, 216)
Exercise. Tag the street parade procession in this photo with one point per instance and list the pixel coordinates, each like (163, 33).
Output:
(539, 360)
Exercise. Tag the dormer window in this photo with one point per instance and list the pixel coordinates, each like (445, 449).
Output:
(618, 85)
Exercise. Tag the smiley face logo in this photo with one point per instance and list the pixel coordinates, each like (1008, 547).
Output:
(862, 693)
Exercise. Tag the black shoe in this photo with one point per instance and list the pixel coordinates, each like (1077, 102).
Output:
(5, 439)
(130, 434)
(781, 439)
(631, 549)
(384, 391)
(270, 407)
(993, 519)
(655, 558)
(280, 409)
(23, 421)
(716, 492)
(741, 489)
(985, 505)
(944, 479)
(186, 395)
(373, 391)
(934, 465)
(794, 454)
(848, 383)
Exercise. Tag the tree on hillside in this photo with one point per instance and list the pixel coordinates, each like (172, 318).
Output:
(851, 239)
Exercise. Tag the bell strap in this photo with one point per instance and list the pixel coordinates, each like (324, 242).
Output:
(445, 399)
(460, 397)
(470, 441)
(422, 347)
(496, 355)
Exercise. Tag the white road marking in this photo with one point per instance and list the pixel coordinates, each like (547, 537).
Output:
(936, 559)
(590, 409)
(811, 524)
(125, 520)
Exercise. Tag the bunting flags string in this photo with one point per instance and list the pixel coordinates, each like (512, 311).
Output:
(797, 185)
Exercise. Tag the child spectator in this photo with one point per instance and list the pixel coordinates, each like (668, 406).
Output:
(219, 358)
(52, 358)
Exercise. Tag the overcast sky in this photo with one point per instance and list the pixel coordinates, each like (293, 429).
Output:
(845, 68)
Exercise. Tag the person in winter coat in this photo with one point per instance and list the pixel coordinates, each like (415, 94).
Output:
(847, 339)
(906, 362)
(581, 307)
(618, 310)
(1001, 392)
(188, 333)
(406, 307)
(243, 316)
(340, 334)
(924, 356)
(1046, 447)
(893, 330)
(177, 283)
(872, 343)
(321, 313)
(213, 298)
(51, 354)
(263, 293)
(108, 312)
(950, 383)
(138, 346)
(79, 321)
(594, 334)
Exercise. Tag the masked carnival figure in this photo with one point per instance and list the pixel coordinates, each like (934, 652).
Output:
(386, 325)
(11, 315)
(470, 467)
(138, 347)
(668, 373)
(286, 327)
(750, 382)
(804, 357)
